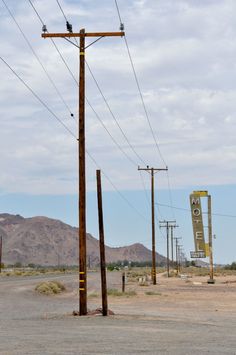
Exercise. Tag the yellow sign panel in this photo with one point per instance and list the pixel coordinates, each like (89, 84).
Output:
(201, 193)
(207, 249)
(198, 230)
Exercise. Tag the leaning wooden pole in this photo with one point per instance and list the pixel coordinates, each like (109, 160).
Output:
(0, 254)
(102, 246)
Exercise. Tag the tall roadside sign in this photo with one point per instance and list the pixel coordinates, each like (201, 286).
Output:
(202, 249)
(197, 221)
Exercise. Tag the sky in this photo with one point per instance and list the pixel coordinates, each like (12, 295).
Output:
(183, 52)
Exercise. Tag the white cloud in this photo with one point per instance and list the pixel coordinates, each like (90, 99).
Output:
(184, 53)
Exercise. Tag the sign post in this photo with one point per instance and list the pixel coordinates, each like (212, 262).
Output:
(202, 249)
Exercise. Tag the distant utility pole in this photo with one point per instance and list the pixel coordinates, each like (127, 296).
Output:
(167, 225)
(176, 254)
(0, 254)
(153, 171)
(172, 242)
(81, 147)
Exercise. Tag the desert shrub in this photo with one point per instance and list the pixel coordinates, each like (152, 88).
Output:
(50, 287)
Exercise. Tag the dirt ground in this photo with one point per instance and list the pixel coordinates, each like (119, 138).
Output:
(177, 316)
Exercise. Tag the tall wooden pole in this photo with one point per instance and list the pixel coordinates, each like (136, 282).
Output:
(211, 280)
(81, 152)
(102, 245)
(153, 230)
(167, 225)
(0, 254)
(82, 182)
(153, 170)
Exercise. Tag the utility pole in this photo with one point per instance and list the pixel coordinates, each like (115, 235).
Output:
(167, 224)
(81, 153)
(176, 253)
(102, 245)
(153, 171)
(172, 242)
(0, 254)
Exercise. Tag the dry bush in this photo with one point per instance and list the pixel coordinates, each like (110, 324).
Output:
(50, 287)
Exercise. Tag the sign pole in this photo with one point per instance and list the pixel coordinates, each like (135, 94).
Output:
(211, 280)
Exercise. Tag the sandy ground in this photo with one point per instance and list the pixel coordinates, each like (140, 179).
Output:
(185, 316)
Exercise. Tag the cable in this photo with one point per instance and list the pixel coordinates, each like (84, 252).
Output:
(188, 210)
(38, 59)
(106, 103)
(38, 98)
(113, 116)
(58, 119)
(139, 89)
(61, 10)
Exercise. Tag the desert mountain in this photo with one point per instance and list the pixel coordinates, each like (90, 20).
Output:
(46, 241)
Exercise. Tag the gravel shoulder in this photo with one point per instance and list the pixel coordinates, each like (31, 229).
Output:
(179, 317)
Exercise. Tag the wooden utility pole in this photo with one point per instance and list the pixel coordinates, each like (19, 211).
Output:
(172, 242)
(0, 254)
(153, 171)
(102, 245)
(167, 224)
(211, 280)
(176, 254)
(81, 147)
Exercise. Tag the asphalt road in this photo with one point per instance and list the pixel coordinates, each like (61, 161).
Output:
(33, 324)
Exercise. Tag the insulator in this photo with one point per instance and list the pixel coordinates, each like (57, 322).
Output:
(69, 27)
(122, 27)
(44, 28)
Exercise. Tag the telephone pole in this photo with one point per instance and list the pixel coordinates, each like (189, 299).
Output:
(153, 171)
(176, 253)
(0, 254)
(81, 152)
(167, 225)
(172, 242)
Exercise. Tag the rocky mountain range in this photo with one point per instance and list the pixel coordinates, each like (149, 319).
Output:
(46, 241)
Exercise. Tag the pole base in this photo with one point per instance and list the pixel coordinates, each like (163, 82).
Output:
(211, 281)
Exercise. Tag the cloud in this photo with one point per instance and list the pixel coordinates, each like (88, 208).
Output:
(184, 55)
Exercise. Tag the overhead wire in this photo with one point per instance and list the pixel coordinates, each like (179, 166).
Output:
(38, 59)
(104, 98)
(139, 89)
(71, 133)
(37, 97)
(188, 210)
(144, 105)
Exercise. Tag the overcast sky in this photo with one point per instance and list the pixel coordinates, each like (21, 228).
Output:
(184, 55)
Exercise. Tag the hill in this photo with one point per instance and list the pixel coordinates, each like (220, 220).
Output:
(46, 241)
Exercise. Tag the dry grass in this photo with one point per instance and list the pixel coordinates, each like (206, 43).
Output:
(116, 293)
(50, 287)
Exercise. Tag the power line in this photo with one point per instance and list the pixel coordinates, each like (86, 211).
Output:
(105, 101)
(63, 13)
(139, 89)
(113, 116)
(59, 120)
(188, 210)
(37, 97)
(38, 59)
